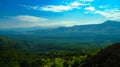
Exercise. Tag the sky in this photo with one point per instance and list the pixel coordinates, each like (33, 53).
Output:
(56, 13)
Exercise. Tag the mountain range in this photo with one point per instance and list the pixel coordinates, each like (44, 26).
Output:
(107, 30)
(106, 27)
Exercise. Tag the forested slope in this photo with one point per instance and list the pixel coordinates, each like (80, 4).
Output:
(109, 57)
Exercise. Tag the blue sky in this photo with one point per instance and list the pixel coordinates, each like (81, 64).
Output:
(54, 13)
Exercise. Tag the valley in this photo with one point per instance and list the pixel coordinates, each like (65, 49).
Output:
(58, 47)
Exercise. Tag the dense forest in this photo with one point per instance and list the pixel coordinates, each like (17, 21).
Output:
(21, 53)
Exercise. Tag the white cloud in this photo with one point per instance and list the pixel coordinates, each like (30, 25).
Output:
(29, 18)
(110, 14)
(58, 8)
(75, 4)
(104, 6)
(90, 8)
(62, 8)
(21, 21)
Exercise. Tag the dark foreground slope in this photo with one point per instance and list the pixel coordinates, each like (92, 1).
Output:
(109, 57)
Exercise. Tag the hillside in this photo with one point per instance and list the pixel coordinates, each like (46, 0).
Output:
(14, 53)
(109, 57)
(5, 42)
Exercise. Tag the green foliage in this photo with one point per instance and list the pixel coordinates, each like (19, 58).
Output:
(45, 53)
(108, 57)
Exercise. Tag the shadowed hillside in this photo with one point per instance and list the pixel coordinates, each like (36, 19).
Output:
(109, 57)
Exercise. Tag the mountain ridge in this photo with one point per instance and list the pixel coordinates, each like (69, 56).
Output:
(107, 30)
(102, 27)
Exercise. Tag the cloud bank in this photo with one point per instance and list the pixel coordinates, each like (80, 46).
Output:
(61, 8)
(29, 18)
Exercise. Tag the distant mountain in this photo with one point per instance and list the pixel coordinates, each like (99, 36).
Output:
(106, 27)
(107, 30)
(109, 57)
(25, 29)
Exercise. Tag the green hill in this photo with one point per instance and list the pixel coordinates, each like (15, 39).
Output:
(109, 57)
